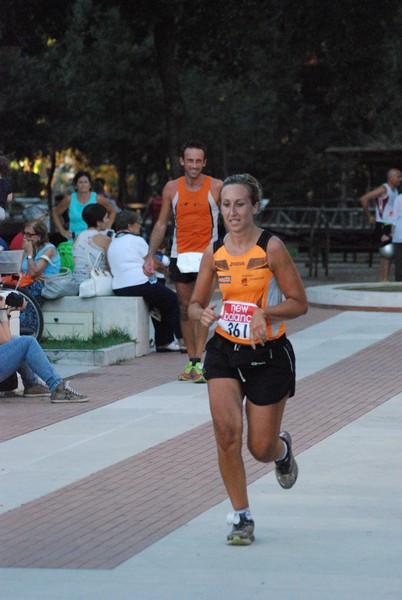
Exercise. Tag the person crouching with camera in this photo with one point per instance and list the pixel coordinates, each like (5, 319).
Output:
(24, 355)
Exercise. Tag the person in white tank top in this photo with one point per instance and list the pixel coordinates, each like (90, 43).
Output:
(91, 243)
(384, 197)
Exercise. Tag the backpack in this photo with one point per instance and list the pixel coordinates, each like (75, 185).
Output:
(65, 250)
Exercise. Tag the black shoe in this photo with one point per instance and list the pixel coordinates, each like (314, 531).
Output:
(286, 470)
(242, 533)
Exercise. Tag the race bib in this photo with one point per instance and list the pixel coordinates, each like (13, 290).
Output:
(235, 319)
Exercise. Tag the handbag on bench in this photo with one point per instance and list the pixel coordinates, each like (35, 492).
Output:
(99, 283)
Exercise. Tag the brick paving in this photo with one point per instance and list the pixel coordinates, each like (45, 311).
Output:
(21, 415)
(108, 517)
(103, 386)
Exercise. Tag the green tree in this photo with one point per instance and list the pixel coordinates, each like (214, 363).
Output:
(113, 98)
(269, 86)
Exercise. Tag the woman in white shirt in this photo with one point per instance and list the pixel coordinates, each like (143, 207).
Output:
(126, 257)
(91, 244)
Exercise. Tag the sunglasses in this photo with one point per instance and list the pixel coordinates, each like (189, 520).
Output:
(28, 234)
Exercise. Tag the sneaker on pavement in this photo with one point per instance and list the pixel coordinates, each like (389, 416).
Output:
(172, 347)
(198, 374)
(36, 390)
(286, 470)
(64, 393)
(187, 373)
(242, 533)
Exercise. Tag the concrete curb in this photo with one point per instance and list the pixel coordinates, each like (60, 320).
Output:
(101, 357)
(358, 296)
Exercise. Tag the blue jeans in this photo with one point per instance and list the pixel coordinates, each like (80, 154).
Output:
(24, 354)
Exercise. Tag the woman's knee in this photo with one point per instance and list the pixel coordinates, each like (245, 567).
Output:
(228, 437)
(27, 341)
(23, 342)
(263, 450)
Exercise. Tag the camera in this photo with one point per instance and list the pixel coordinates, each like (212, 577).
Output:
(14, 300)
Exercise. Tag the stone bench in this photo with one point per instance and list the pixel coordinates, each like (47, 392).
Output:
(73, 316)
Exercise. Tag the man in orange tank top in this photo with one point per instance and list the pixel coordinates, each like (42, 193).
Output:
(192, 200)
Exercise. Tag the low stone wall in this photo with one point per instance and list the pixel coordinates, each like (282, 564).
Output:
(102, 357)
(385, 297)
(72, 315)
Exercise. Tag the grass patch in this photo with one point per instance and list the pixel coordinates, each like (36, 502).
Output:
(97, 341)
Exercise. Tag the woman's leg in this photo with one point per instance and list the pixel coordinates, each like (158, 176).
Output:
(27, 375)
(267, 442)
(157, 295)
(163, 334)
(26, 348)
(226, 404)
(264, 426)
(165, 300)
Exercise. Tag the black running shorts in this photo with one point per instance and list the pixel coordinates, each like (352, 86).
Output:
(266, 381)
(382, 229)
(176, 275)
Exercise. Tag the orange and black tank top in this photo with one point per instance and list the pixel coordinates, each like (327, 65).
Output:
(195, 216)
(246, 282)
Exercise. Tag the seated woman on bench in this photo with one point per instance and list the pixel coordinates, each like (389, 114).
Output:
(126, 256)
(92, 243)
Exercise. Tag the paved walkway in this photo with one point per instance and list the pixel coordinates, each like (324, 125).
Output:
(121, 498)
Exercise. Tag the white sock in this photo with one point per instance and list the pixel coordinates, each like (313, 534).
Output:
(245, 512)
(285, 452)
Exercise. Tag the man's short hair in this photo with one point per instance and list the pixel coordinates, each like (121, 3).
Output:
(192, 144)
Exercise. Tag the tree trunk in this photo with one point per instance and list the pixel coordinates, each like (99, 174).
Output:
(165, 45)
(142, 174)
(122, 194)
(50, 174)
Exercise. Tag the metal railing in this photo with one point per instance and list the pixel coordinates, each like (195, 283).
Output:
(320, 230)
(294, 217)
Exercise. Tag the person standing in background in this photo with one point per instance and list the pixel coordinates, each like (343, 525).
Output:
(75, 203)
(384, 197)
(99, 188)
(152, 209)
(192, 199)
